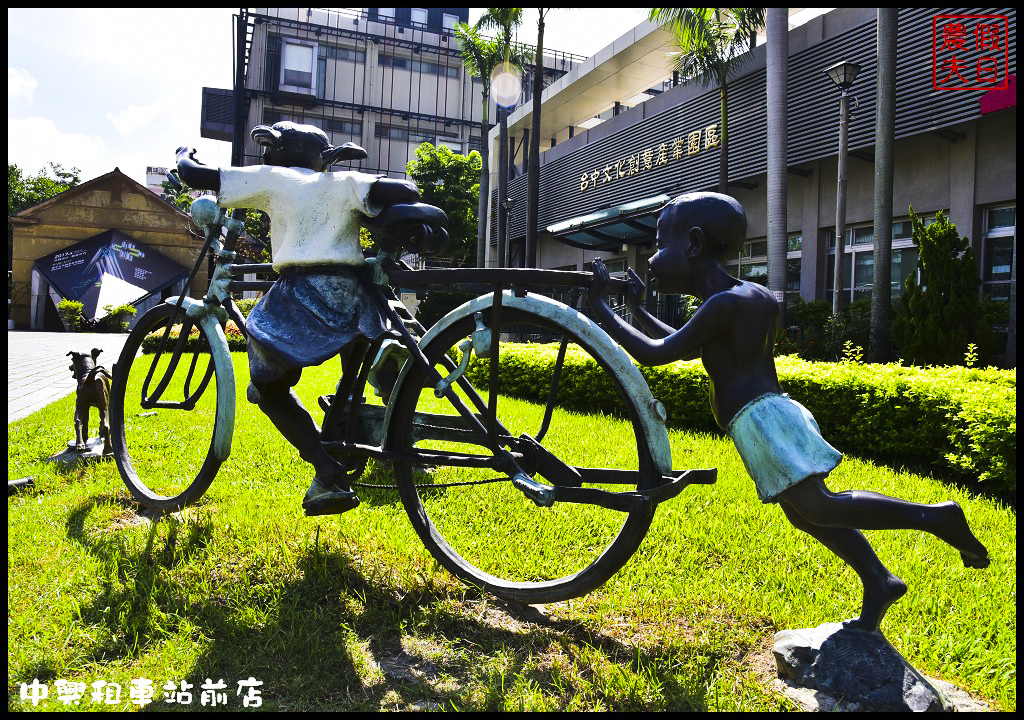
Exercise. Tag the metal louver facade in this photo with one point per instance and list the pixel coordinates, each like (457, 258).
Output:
(812, 109)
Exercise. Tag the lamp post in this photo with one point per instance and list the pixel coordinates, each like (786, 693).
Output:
(842, 74)
(508, 203)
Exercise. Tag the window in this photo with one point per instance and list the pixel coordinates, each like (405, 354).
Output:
(751, 264)
(997, 252)
(412, 135)
(422, 66)
(418, 16)
(455, 147)
(449, 21)
(859, 261)
(297, 68)
(386, 14)
(333, 52)
(329, 124)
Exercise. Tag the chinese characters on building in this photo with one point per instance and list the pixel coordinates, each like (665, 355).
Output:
(970, 52)
(142, 692)
(651, 157)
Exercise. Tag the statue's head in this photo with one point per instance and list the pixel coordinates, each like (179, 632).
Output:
(289, 144)
(720, 217)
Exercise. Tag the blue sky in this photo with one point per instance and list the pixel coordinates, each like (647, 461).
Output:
(104, 88)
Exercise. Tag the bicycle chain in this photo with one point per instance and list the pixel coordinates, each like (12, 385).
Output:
(434, 487)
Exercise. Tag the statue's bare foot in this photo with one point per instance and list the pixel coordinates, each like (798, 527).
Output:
(958, 533)
(877, 600)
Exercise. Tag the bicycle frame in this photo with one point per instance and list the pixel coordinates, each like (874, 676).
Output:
(500, 288)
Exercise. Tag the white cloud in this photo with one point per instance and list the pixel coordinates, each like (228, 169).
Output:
(20, 84)
(33, 142)
(138, 118)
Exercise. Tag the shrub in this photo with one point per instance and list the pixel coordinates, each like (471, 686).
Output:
(935, 320)
(117, 319)
(236, 340)
(246, 305)
(70, 312)
(806, 332)
(439, 303)
(956, 420)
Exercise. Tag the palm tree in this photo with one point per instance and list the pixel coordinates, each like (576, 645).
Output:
(714, 44)
(885, 128)
(533, 180)
(505, 21)
(480, 56)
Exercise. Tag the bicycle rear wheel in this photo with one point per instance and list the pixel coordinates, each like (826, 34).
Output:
(167, 410)
(474, 521)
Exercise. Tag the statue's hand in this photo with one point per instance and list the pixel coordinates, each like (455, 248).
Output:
(634, 289)
(599, 282)
(185, 152)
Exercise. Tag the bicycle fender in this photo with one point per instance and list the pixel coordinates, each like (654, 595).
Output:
(198, 311)
(650, 410)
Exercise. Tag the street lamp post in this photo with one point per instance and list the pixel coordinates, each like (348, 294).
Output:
(842, 74)
(508, 203)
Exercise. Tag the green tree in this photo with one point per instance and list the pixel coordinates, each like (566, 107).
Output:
(177, 192)
(937, 318)
(451, 182)
(714, 43)
(24, 191)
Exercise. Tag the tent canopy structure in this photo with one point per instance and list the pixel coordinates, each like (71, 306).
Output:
(108, 269)
(609, 229)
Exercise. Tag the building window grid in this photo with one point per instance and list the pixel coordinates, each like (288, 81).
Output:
(336, 125)
(751, 263)
(384, 131)
(999, 234)
(421, 66)
(858, 264)
(299, 66)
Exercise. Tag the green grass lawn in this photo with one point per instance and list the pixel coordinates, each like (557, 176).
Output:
(351, 613)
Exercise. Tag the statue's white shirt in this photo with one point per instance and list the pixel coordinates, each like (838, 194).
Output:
(314, 216)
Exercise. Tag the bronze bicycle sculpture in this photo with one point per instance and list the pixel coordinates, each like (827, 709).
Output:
(481, 476)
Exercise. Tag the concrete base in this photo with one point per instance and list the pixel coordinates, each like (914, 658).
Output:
(71, 457)
(830, 668)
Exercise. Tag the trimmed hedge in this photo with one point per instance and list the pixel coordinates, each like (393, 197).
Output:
(236, 341)
(956, 420)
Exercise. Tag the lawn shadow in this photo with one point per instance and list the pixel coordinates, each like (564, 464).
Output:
(339, 633)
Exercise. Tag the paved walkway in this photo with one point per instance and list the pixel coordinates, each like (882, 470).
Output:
(39, 370)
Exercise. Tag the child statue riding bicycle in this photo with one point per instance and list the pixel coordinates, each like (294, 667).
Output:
(317, 309)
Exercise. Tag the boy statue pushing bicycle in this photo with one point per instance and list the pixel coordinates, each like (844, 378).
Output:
(733, 333)
(318, 308)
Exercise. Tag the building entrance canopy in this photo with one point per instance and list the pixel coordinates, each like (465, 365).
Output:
(609, 229)
(111, 268)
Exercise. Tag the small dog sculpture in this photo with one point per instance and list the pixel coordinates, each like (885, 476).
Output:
(93, 391)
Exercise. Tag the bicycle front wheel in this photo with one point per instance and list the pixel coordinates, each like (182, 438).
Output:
(171, 413)
(473, 520)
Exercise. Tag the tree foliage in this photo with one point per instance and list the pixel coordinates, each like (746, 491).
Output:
(937, 318)
(714, 43)
(24, 191)
(451, 182)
